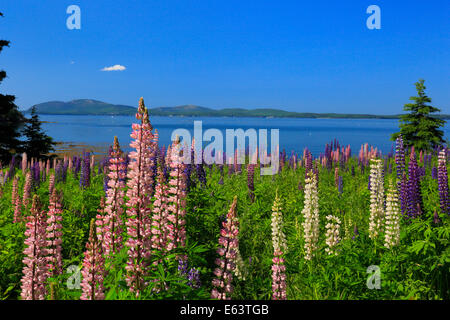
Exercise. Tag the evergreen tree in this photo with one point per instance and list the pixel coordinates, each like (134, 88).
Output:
(11, 120)
(419, 128)
(38, 144)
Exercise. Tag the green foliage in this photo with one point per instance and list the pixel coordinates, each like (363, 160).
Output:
(420, 128)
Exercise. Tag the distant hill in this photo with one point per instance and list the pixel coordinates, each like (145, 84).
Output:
(82, 107)
(94, 107)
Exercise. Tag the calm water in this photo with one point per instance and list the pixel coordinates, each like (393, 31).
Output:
(295, 134)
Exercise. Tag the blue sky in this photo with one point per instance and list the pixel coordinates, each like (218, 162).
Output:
(305, 56)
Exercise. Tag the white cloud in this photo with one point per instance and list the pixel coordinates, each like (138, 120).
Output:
(116, 67)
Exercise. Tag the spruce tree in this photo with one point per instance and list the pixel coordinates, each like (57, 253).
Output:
(419, 128)
(11, 120)
(38, 144)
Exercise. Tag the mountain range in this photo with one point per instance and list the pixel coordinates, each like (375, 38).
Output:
(95, 107)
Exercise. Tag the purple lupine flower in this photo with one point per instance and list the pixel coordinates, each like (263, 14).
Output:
(85, 176)
(36, 173)
(187, 173)
(413, 188)
(434, 173)
(201, 175)
(221, 181)
(194, 278)
(58, 172)
(182, 266)
(443, 182)
(400, 156)
(76, 165)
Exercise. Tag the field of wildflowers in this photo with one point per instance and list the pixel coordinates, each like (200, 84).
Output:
(143, 225)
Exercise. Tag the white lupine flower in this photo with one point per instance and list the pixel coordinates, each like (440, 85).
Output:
(392, 234)
(311, 215)
(333, 238)
(240, 270)
(278, 236)
(376, 198)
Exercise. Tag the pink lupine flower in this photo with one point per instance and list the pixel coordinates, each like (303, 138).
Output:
(227, 261)
(51, 184)
(93, 269)
(176, 198)
(279, 246)
(24, 161)
(139, 193)
(16, 202)
(112, 222)
(99, 221)
(160, 213)
(278, 277)
(27, 189)
(35, 269)
(336, 176)
(54, 234)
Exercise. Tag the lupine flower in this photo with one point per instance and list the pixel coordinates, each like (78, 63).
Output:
(340, 185)
(160, 213)
(250, 181)
(436, 219)
(332, 236)
(59, 172)
(27, 189)
(35, 170)
(310, 213)
(51, 184)
(240, 270)
(413, 187)
(228, 241)
(54, 234)
(392, 224)
(307, 159)
(193, 277)
(100, 221)
(85, 176)
(376, 198)
(434, 173)
(35, 270)
(139, 192)
(176, 199)
(278, 277)
(443, 182)
(24, 162)
(201, 175)
(279, 248)
(112, 221)
(93, 269)
(15, 200)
